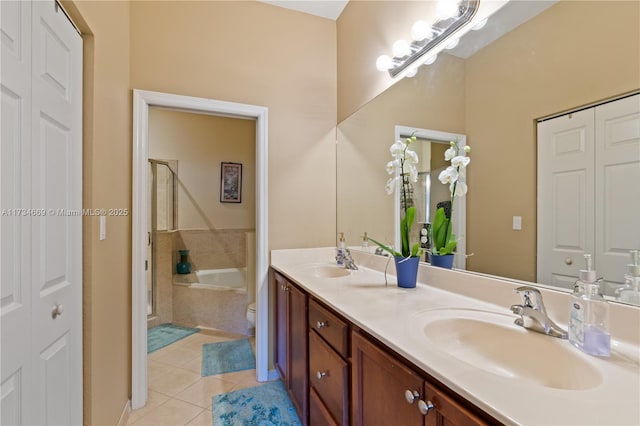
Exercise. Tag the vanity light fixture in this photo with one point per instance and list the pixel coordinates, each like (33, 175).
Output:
(429, 40)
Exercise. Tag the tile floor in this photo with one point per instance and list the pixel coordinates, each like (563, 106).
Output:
(178, 394)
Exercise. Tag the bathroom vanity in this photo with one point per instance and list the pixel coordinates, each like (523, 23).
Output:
(352, 350)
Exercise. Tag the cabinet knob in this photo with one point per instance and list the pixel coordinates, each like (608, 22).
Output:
(425, 407)
(56, 311)
(322, 324)
(321, 374)
(568, 261)
(284, 287)
(411, 396)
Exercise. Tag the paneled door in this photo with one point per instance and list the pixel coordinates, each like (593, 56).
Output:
(565, 197)
(617, 186)
(589, 192)
(41, 216)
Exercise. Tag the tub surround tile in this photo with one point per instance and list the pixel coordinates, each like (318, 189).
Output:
(214, 308)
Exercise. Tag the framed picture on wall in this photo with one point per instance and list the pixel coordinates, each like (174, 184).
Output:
(231, 183)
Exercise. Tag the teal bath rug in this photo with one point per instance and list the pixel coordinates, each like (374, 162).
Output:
(264, 405)
(226, 357)
(166, 334)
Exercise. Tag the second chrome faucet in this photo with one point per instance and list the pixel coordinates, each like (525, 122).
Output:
(533, 314)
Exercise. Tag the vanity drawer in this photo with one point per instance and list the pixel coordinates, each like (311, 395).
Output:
(333, 329)
(329, 378)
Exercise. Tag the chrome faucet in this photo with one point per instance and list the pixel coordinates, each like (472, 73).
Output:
(533, 314)
(349, 263)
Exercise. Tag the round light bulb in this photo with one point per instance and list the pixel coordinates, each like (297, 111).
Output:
(412, 72)
(447, 9)
(479, 25)
(431, 60)
(383, 63)
(401, 49)
(453, 44)
(421, 30)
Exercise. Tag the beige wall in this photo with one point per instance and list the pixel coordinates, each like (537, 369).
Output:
(106, 184)
(200, 143)
(257, 54)
(561, 59)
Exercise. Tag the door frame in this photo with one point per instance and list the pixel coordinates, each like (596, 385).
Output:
(142, 100)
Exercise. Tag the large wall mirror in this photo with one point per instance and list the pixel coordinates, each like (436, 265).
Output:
(544, 58)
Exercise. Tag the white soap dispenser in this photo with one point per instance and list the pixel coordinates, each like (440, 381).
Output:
(589, 315)
(365, 242)
(630, 292)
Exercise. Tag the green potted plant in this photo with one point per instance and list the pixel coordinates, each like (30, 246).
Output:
(404, 167)
(443, 241)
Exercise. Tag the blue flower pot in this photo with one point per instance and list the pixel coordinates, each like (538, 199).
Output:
(441, 260)
(407, 271)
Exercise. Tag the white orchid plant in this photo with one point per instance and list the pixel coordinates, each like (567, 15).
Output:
(443, 240)
(403, 166)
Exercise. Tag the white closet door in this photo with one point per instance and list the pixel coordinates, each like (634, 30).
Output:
(15, 294)
(617, 202)
(565, 197)
(42, 249)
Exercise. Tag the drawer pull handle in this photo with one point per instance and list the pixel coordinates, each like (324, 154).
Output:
(425, 407)
(322, 324)
(411, 396)
(321, 374)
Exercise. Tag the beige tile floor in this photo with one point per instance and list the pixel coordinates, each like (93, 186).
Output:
(178, 395)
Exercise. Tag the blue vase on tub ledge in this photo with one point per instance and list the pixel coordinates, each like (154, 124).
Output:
(183, 267)
(407, 270)
(441, 260)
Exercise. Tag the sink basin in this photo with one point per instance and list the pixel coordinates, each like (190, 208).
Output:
(490, 341)
(322, 270)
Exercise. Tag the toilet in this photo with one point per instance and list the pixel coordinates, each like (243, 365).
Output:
(251, 317)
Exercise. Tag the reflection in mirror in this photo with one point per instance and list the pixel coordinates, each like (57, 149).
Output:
(429, 193)
(548, 63)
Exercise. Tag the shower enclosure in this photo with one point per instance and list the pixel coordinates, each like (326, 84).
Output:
(162, 193)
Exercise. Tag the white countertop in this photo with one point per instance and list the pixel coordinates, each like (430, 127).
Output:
(395, 316)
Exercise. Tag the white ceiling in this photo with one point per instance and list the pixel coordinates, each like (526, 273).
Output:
(325, 8)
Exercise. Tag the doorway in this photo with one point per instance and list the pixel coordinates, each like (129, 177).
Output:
(143, 100)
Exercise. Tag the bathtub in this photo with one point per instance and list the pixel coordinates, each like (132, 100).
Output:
(212, 298)
(231, 278)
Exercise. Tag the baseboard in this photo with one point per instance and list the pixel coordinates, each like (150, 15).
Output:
(124, 417)
(273, 375)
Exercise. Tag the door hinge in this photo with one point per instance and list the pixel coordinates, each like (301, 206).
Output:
(146, 265)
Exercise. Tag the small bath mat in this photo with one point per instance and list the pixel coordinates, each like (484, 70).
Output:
(226, 357)
(166, 334)
(264, 405)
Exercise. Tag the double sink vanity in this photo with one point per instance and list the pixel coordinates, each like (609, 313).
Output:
(354, 350)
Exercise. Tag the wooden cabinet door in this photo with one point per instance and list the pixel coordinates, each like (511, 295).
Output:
(447, 412)
(298, 355)
(282, 359)
(379, 384)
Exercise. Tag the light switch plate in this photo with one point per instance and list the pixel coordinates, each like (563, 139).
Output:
(103, 228)
(517, 223)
